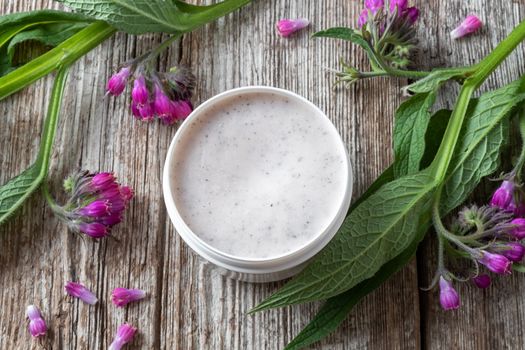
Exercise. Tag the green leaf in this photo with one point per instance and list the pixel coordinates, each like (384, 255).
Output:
(352, 35)
(17, 190)
(411, 124)
(437, 77)
(378, 230)
(483, 134)
(47, 27)
(434, 135)
(142, 16)
(336, 309)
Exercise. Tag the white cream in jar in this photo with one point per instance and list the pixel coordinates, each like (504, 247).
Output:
(257, 180)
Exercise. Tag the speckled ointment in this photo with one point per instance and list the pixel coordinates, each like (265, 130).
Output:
(257, 181)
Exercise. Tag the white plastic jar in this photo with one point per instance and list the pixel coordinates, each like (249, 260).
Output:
(257, 181)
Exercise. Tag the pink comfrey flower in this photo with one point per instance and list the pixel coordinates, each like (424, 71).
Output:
(286, 27)
(123, 296)
(182, 109)
(162, 104)
(400, 4)
(518, 228)
(78, 290)
(374, 5)
(37, 325)
(140, 94)
(469, 25)
(482, 281)
(448, 297)
(514, 251)
(412, 14)
(363, 18)
(125, 334)
(97, 203)
(117, 82)
(503, 197)
(496, 263)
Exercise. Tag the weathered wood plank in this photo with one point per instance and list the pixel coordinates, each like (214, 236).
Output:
(190, 307)
(490, 319)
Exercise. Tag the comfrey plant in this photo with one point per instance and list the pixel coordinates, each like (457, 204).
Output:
(440, 158)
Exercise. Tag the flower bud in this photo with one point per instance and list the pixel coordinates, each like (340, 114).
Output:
(448, 297)
(123, 296)
(117, 82)
(140, 94)
(286, 27)
(514, 251)
(518, 229)
(182, 109)
(125, 334)
(503, 196)
(468, 26)
(482, 281)
(37, 325)
(496, 263)
(400, 4)
(374, 5)
(412, 14)
(363, 18)
(78, 290)
(162, 104)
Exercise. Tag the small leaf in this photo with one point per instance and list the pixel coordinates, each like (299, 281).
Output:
(16, 191)
(483, 134)
(352, 35)
(378, 230)
(142, 16)
(411, 123)
(432, 81)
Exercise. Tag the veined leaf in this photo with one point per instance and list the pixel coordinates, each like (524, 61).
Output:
(482, 135)
(410, 126)
(432, 81)
(16, 191)
(142, 16)
(378, 230)
(349, 34)
(434, 135)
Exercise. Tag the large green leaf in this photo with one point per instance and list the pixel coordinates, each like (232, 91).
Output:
(16, 191)
(378, 230)
(142, 16)
(410, 126)
(482, 135)
(437, 77)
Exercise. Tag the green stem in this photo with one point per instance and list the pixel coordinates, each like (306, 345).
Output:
(483, 70)
(442, 231)
(63, 55)
(53, 111)
(521, 160)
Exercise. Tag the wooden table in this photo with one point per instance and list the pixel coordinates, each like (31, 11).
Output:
(189, 307)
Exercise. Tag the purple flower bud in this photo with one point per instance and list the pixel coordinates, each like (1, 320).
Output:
(286, 27)
(518, 230)
(125, 334)
(482, 281)
(503, 196)
(117, 82)
(101, 181)
(400, 4)
(94, 229)
(513, 251)
(123, 296)
(146, 111)
(127, 193)
(448, 297)
(162, 104)
(363, 18)
(182, 109)
(468, 26)
(96, 208)
(77, 290)
(412, 14)
(496, 263)
(140, 94)
(37, 325)
(374, 5)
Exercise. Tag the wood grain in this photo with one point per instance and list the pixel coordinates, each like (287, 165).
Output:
(190, 306)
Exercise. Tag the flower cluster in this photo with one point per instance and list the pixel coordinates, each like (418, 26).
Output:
(489, 235)
(165, 95)
(97, 202)
(390, 30)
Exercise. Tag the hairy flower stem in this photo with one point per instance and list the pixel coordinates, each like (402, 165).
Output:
(151, 55)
